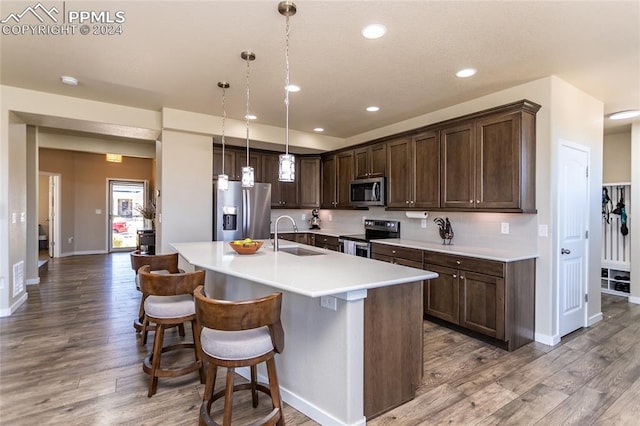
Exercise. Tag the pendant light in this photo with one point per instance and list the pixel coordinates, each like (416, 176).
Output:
(286, 161)
(247, 171)
(223, 178)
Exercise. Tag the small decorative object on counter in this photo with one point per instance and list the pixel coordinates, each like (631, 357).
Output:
(445, 229)
(315, 219)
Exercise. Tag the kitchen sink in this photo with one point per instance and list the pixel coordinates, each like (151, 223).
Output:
(300, 251)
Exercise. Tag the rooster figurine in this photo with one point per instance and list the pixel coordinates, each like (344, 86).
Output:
(445, 229)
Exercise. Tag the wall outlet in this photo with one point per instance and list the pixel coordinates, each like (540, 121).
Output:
(70, 240)
(1, 283)
(303, 216)
(329, 302)
(423, 223)
(14, 217)
(504, 227)
(330, 218)
(98, 211)
(23, 217)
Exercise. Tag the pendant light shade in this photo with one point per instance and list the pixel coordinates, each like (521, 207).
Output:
(247, 171)
(223, 179)
(286, 161)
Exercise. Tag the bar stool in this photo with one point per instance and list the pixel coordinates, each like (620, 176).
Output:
(240, 334)
(160, 264)
(168, 302)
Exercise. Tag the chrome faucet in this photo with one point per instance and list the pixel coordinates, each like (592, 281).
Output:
(275, 234)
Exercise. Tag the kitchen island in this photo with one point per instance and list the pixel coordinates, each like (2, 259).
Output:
(353, 326)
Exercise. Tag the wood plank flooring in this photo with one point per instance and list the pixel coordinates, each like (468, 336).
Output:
(71, 356)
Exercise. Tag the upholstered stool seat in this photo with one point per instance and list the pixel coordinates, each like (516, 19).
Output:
(168, 302)
(236, 345)
(240, 334)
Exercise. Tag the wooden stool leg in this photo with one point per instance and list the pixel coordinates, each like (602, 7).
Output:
(197, 348)
(228, 397)
(145, 330)
(155, 361)
(274, 386)
(254, 381)
(181, 330)
(211, 382)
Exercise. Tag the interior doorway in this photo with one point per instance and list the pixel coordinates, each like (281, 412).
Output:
(49, 214)
(126, 198)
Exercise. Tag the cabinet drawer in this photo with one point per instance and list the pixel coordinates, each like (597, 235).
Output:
(397, 252)
(483, 266)
(326, 241)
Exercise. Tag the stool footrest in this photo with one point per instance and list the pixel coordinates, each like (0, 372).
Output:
(174, 371)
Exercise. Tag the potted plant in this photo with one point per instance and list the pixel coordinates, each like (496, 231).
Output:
(148, 213)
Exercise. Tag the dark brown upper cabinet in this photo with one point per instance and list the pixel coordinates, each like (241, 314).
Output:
(370, 161)
(283, 194)
(413, 172)
(337, 173)
(309, 182)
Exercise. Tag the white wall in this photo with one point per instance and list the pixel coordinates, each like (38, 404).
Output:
(185, 184)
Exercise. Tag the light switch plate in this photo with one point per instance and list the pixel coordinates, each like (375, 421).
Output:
(543, 230)
(504, 227)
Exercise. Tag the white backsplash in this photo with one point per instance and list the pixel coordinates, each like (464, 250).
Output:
(470, 229)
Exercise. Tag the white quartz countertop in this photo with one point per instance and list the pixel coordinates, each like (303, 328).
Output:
(331, 273)
(501, 255)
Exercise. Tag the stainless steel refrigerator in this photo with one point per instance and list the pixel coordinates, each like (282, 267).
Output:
(241, 213)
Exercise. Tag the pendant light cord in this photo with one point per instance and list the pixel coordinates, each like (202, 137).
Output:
(247, 116)
(286, 85)
(224, 118)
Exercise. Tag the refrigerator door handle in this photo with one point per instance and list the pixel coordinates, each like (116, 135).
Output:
(246, 212)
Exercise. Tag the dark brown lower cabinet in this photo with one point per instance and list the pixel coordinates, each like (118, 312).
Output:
(392, 346)
(491, 298)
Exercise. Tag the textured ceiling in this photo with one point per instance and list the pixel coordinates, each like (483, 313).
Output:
(173, 53)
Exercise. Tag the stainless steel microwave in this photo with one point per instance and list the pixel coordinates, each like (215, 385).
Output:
(367, 192)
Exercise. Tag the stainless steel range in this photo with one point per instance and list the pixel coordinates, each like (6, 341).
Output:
(360, 244)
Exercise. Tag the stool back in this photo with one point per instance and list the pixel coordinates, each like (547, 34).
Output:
(169, 284)
(229, 315)
(157, 262)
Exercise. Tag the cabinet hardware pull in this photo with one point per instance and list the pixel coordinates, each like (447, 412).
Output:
(457, 262)
(565, 251)
(461, 277)
(471, 201)
(478, 201)
(455, 276)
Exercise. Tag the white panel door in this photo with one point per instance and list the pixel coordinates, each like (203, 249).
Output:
(573, 205)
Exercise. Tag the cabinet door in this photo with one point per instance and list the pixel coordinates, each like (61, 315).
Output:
(426, 166)
(441, 295)
(270, 175)
(309, 182)
(255, 161)
(398, 173)
(482, 303)
(229, 163)
(361, 162)
(457, 149)
(344, 175)
(288, 195)
(328, 200)
(498, 162)
(378, 160)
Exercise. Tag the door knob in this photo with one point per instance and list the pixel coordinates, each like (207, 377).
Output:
(565, 251)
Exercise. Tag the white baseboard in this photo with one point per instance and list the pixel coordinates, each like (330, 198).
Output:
(8, 311)
(546, 339)
(595, 319)
(302, 405)
(83, 253)
(634, 299)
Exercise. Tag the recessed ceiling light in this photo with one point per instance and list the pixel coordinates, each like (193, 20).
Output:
(250, 117)
(467, 72)
(318, 129)
(293, 88)
(373, 108)
(625, 114)
(70, 81)
(373, 31)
